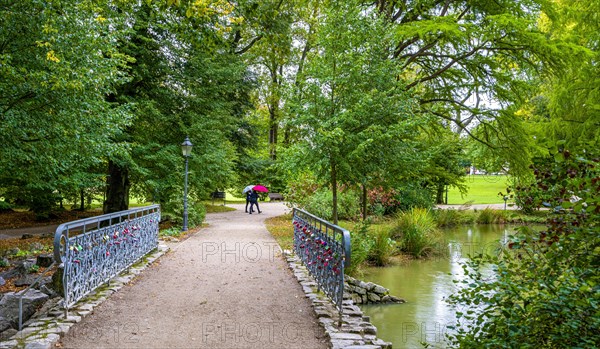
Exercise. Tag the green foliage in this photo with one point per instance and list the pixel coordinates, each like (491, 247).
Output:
(491, 216)
(383, 247)
(451, 217)
(453, 76)
(542, 290)
(346, 109)
(173, 231)
(124, 82)
(527, 195)
(58, 62)
(445, 165)
(33, 269)
(361, 247)
(412, 195)
(320, 204)
(301, 187)
(173, 211)
(5, 206)
(416, 232)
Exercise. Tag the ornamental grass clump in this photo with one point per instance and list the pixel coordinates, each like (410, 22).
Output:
(451, 217)
(416, 232)
(490, 216)
(383, 247)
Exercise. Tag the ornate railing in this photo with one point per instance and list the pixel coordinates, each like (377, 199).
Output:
(93, 250)
(324, 248)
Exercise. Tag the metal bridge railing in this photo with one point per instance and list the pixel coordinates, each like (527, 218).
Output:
(93, 250)
(324, 248)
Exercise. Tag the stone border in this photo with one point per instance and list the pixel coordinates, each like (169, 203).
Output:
(46, 328)
(356, 332)
(368, 292)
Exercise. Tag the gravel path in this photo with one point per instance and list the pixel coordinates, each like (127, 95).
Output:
(18, 232)
(224, 287)
(478, 207)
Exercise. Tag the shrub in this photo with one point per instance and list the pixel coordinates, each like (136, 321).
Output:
(173, 211)
(321, 204)
(301, 190)
(544, 289)
(527, 195)
(490, 216)
(416, 232)
(389, 201)
(361, 246)
(451, 217)
(382, 201)
(5, 206)
(383, 247)
(414, 195)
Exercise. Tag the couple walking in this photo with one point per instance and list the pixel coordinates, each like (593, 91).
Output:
(252, 199)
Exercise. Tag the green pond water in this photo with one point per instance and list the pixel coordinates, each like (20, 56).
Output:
(425, 284)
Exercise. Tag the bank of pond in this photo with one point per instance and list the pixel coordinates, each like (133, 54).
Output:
(425, 283)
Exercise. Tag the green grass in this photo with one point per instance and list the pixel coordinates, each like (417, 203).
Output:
(282, 230)
(234, 196)
(483, 189)
(217, 208)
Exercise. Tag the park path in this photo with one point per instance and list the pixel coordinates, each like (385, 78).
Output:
(18, 232)
(478, 207)
(224, 287)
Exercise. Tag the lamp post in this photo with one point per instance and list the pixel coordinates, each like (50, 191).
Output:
(186, 149)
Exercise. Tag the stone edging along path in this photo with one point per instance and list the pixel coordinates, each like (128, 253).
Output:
(46, 328)
(356, 331)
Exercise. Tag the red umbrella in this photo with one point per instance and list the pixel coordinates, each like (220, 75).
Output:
(260, 188)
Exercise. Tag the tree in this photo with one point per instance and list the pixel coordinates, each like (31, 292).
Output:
(474, 62)
(567, 106)
(347, 106)
(184, 82)
(57, 62)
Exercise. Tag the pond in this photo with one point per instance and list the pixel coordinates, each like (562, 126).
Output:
(425, 284)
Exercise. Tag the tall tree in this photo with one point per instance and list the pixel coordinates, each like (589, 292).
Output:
(474, 62)
(184, 82)
(57, 61)
(347, 105)
(573, 96)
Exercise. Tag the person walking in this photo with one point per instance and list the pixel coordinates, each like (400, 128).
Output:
(254, 201)
(248, 194)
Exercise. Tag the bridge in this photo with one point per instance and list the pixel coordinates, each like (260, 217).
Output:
(226, 286)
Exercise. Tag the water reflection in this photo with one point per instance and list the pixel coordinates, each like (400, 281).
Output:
(425, 284)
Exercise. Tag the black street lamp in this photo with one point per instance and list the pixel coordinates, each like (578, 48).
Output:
(186, 148)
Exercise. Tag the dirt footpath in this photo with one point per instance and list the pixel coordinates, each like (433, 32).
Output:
(224, 287)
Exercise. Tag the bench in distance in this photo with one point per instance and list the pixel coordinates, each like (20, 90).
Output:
(275, 197)
(217, 195)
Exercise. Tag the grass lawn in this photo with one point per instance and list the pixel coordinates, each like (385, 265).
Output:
(483, 189)
(282, 230)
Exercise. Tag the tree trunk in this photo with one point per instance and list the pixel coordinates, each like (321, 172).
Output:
(117, 191)
(439, 197)
(273, 104)
(82, 198)
(273, 128)
(364, 201)
(334, 192)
